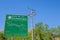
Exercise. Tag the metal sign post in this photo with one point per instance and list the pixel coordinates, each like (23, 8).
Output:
(31, 15)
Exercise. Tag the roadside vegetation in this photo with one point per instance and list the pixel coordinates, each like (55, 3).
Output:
(41, 32)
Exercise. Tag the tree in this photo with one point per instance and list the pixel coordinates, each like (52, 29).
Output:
(38, 30)
(42, 31)
(2, 36)
(58, 29)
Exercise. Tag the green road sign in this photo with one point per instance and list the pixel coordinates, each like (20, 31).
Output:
(16, 25)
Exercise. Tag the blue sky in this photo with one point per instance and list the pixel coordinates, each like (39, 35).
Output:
(48, 11)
